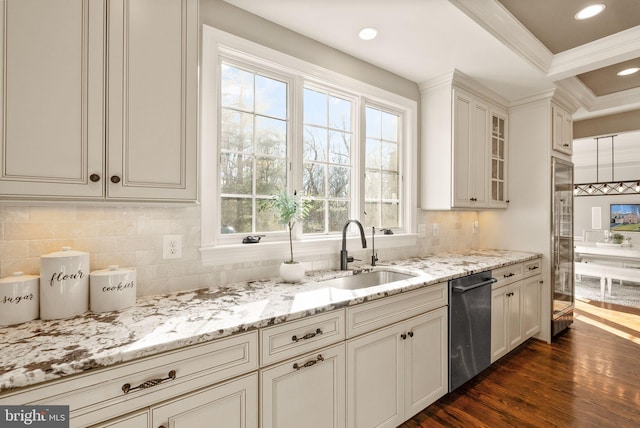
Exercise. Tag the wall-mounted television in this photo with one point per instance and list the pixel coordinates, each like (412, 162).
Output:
(625, 217)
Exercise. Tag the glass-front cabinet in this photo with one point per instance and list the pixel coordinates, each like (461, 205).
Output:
(499, 153)
(562, 245)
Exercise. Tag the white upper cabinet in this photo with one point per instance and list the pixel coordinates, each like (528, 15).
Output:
(51, 81)
(463, 159)
(90, 116)
(470, 132)
(562, 130)
(499, 155)
(152, 99)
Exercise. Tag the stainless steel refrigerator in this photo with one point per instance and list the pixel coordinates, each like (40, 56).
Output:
(562, 275)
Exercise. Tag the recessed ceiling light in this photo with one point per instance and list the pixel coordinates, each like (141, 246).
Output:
(368, 33)
(589, 11)
(628, 71)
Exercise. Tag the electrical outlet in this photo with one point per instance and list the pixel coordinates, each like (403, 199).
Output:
(436, 230)
(474, 227)
(422, 230)
(171, 247)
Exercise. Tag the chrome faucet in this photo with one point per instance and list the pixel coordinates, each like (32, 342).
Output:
(344, 257)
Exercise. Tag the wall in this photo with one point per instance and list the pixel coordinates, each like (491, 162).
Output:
(626, 167)
(132, 236)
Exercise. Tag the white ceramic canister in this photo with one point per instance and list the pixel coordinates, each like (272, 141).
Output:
(19, 298)
(112, 289)
(64, 284)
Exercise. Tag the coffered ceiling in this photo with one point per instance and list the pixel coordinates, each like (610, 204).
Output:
(552, 23)
(519, 49)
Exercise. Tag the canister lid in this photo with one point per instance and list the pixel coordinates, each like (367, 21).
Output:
(18, 277)
(65, 252)
(113, 270)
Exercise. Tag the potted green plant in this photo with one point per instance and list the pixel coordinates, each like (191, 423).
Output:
(617, 238)
(289, 209)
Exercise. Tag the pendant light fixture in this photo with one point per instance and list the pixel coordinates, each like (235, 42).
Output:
(612, 187)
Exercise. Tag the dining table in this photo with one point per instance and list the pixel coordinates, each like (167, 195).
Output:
(623, 255)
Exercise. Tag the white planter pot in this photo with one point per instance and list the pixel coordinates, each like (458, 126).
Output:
(292, 272)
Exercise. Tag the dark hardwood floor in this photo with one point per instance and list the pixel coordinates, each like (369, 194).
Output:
(588, 377)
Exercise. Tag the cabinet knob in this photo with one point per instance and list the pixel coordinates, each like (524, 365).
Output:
(410, 334)
(403, 336)
(94, 177)
(115, 179)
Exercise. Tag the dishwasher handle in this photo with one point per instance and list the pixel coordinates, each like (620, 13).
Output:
(465, 288)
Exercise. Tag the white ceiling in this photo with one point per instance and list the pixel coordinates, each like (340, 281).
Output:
(426, 39)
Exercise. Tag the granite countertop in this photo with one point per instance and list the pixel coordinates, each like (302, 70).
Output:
(39, 351)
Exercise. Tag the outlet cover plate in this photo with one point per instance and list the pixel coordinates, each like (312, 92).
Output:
(171, 247)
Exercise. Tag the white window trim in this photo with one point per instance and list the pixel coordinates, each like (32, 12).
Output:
(215, 42)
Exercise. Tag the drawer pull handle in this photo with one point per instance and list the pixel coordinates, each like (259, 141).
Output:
(308, 363)
(533, 267)
(307, 336)
(126, 388)
(509, 275)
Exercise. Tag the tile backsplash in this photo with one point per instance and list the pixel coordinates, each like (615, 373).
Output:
(133, 235)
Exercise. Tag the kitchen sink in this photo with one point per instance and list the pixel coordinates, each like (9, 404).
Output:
(366, 279)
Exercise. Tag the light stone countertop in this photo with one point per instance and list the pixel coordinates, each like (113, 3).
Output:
(39, 351)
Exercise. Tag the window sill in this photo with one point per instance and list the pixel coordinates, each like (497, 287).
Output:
(239, 253)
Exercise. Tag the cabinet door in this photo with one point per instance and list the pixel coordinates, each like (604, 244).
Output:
(152, 99)
(562, 125)
(231, 405)
(479, 155)
(307, 391)
(470, 159)
(51, 84)
(462, 134)
(499, 151)
(499, 310)
(375, 379)
(531, 306)
(514, 315)
(426, 360)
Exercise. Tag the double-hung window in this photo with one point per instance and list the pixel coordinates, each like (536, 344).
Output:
(272, 122)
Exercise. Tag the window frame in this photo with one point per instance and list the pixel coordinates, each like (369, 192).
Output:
(216, 249)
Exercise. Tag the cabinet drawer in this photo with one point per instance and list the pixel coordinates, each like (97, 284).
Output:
(532, 267)
(507, 274)
(370, 316)
(98, 396)
(296, 337)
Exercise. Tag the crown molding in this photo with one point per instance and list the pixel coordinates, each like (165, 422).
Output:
(600, 53)
(463, 81)
(498, 21)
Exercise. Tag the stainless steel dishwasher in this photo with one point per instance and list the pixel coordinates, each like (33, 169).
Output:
(469, 327)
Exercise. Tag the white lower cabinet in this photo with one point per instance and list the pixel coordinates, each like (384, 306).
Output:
(233, 404)
(531, 289)
(395, 372)
(305, 391)
(515, 315)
